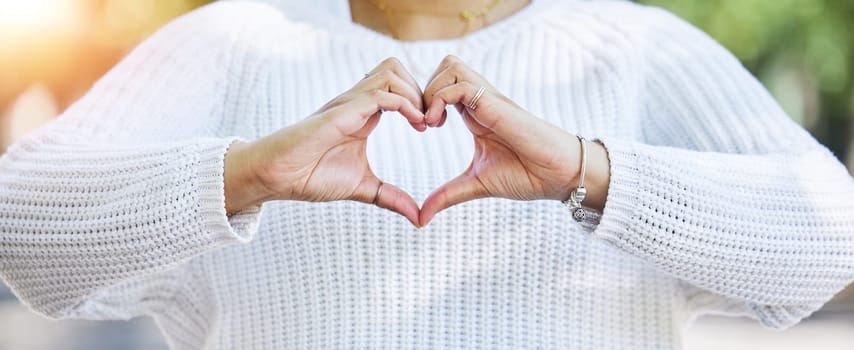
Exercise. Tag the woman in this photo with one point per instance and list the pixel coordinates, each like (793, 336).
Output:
(145, 198)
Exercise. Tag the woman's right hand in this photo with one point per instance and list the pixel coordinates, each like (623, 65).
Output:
(323, 158)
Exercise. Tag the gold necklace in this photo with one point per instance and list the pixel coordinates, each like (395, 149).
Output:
(467, 16)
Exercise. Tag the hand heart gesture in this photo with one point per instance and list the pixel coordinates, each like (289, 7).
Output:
(517, 155)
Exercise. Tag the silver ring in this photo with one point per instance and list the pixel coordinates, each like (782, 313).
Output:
(473, 104)
(379, 192)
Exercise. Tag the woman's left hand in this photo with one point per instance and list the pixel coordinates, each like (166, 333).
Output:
(517, 155)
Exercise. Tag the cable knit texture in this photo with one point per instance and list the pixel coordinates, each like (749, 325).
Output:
(718, 202)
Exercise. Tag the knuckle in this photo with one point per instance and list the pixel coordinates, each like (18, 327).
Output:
(375, 94)
(399, 100)
(391, 61)
(449, 59)
(386, 75)
(456, 67)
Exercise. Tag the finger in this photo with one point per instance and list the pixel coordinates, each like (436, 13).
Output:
(394, 65)
(389, 81)
(445, 80)
(393, 198)
(454, 74)
(397, 67)
(461, 189)
(473, 125)
(443, 119)
(450, 76)
(461, 94)
(387, 196)
(370, 125)
(446, 62)
(376, 100)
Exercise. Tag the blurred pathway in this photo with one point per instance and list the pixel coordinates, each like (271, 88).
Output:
(21, 329)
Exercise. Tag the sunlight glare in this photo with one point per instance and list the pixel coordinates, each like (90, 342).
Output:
(35, 15)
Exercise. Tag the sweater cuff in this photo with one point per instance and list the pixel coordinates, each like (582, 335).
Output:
(241, 226)
(623, 196)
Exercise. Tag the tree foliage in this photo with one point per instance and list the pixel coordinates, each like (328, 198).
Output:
(802, 50)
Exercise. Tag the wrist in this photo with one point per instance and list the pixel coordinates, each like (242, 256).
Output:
(598, 176)
(242, 188)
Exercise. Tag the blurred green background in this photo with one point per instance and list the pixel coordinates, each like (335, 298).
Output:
(801, 50)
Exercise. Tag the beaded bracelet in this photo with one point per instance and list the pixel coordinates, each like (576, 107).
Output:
(586, 216)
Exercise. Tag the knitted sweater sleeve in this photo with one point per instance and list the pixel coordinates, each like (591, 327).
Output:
(726, 192)
(102, 209)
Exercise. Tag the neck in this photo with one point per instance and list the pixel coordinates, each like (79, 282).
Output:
(410, 20)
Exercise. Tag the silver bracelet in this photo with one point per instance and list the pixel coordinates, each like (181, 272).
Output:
(586, 216)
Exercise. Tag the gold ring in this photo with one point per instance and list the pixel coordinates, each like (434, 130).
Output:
(473, 104)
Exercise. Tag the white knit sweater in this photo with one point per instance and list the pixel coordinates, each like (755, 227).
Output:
(718, 202)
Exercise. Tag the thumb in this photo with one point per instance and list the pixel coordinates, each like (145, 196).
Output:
(461, 189)
(388, 196)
